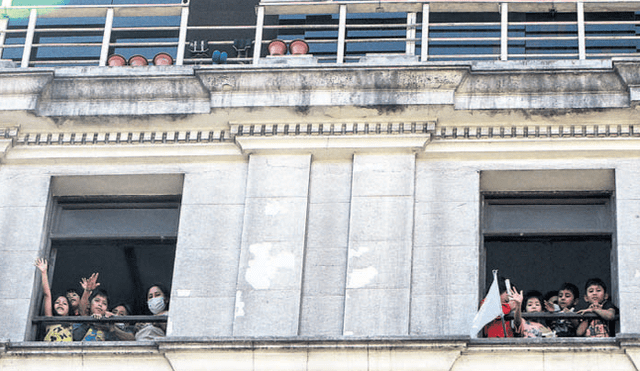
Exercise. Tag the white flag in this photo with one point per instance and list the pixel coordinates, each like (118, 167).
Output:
(490, 309)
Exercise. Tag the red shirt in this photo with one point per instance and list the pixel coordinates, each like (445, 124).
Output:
(494, 328)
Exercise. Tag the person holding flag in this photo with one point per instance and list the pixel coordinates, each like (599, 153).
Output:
(493, 307)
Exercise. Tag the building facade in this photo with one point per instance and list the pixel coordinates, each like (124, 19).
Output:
(312, 215)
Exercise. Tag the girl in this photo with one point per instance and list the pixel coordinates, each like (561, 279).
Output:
(60, 307)
(158, 304)
(532, 304)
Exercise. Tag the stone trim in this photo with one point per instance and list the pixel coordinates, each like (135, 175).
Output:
(536, 131)
(441, 133)
(361, 128)
(148, 137)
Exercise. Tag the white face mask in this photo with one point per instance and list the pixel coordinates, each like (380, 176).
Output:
(156, 305)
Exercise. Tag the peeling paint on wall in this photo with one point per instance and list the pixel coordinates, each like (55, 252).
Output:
(361, 277)
(239, 312)
(272, 208)
(264, 266)
(355, 253)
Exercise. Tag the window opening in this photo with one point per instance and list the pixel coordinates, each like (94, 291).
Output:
(129, 241)
(539, 240)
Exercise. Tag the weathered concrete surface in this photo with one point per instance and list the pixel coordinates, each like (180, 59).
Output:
(376, 354)
(269, 281)
(542, 89)
(122, 95)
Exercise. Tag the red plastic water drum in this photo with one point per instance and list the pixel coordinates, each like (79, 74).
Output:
(277, 47)
(138, 60)
(162, 59)
(298, 47)
(116, 60)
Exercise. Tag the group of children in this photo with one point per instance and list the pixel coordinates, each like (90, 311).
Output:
(94, 302)
(566, 300)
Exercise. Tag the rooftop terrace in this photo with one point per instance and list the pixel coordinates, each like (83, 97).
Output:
(337, 32)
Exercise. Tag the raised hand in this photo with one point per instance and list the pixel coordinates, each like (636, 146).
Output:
(42, 265)
(91, 283)
(516, 296)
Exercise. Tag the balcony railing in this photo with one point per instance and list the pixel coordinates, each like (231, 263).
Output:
(337, 31)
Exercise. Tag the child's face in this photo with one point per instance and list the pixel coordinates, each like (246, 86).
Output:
(566, 299)
(74, 299)
(595, 294)
(504, 297)
(61, 306)
(99, 305)
(533, 305)
(119, 310)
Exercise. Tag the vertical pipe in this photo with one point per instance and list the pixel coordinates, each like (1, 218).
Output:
(106, 38)
(4, 23)
(411, 34)
(582, 44)
(182, 37)
(424, 49)
(342, 34)
(257, 43)
(504, 31)
(28, 41)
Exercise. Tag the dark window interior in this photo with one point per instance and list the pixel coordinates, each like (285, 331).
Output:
(543, 263)
(129, 241)
(541, 240)
(127, 268)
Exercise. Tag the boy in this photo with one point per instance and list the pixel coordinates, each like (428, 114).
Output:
(596, 297)
(98, 304)
(494, 328)
(567, 299)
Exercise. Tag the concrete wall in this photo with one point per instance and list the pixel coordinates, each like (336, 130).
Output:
(286, 245)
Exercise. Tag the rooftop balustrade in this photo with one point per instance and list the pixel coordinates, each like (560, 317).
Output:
(337, 32)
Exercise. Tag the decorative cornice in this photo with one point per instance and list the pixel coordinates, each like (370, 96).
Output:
(361, 129)
(333, 129)
(135, 137)
(535, 131)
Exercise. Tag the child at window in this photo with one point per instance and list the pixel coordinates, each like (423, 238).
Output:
(60, 307)
(495, 329)
(551, 301)
(98, 303)
(532, 304)
(121, 330)
(567, 299)
(596, 297)
(74, 301)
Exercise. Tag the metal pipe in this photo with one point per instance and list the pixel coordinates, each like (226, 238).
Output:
(342, 34)
(257, 43)
(424, 48)
(411, 34)
(504, 31)
(31, 30)
(106, 38)
(182, 37)
(582, 46)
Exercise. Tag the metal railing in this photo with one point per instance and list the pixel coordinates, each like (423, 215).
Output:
(336, 31)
